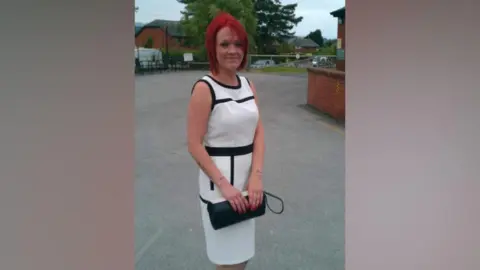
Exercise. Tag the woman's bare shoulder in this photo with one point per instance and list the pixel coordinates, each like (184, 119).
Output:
(252, 86)
(201, 93)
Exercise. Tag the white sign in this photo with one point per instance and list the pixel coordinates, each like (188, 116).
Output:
(188, 57)
(297, 56)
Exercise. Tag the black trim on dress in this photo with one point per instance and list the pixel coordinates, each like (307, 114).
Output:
(238, 86)
(223, 100)
(229, 152)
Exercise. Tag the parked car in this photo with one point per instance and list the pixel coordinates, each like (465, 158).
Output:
(263, 63)
(319, 60)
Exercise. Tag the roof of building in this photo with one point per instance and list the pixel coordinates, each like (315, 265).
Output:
(302, 42)
(174, 27)
(138, 27)
(339, 13)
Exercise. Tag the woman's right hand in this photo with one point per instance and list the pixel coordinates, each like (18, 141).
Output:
(235, 197)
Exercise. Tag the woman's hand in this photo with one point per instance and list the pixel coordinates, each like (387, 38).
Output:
(255, 191)
(235, 197)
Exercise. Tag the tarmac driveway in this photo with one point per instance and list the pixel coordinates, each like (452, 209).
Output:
(304, 164)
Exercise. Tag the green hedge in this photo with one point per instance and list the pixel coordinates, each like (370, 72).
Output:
(176, 55)
(330, 50)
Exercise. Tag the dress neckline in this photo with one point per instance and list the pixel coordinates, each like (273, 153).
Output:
(238, 86)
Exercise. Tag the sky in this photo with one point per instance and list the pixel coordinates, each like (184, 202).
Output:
(315, 13)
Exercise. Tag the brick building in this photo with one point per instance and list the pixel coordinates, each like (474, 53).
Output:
(161, 31)
(303, 45)
(341, 41)
(326, 87)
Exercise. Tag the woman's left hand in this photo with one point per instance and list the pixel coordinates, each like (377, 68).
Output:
(255, 191)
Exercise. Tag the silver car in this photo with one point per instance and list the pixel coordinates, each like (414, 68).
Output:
(319, 60)
(262, 63)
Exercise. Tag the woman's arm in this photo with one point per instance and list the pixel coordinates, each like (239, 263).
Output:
(198, 114)
(259, 142)
(255, 182)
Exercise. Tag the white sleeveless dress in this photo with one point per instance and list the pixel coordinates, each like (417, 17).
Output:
(229, 142)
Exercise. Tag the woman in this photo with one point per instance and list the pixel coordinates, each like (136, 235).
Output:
(225, 138)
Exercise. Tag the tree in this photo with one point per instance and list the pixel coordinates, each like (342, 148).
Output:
(149, 43)
(199, 13)
(274, 23)
(328, 42)
(316, 36)
(285, 48)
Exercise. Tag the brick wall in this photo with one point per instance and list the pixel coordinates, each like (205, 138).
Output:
(326, 91)
(158, 37)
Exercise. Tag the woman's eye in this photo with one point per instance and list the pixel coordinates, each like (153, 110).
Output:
(236, 44)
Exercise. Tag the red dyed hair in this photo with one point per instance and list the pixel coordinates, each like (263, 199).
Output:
(224, 19)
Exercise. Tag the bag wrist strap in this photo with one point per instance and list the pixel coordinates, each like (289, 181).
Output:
(276, 197)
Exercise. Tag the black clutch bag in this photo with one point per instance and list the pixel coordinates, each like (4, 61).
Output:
(222, 214)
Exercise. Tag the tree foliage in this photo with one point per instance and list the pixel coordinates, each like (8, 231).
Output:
(269, 23)
(285, 48)
(317, 37)
(199, 13)
(328, 42)
(274, 23)
(148, 43)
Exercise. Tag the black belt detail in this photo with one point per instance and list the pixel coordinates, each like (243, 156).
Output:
(229, 152)
(232, 169)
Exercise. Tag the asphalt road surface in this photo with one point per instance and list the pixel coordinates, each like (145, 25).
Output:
(304, 164)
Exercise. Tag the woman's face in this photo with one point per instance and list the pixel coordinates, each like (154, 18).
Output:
(229, 49)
